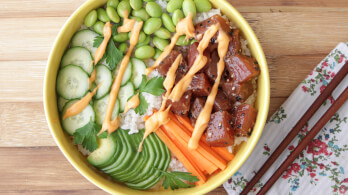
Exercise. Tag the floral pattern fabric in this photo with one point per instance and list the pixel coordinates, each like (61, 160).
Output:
(322, 168)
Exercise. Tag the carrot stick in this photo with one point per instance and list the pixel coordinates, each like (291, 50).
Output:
(189, 165)
(223, 152)
(203, 148)
(202, 163)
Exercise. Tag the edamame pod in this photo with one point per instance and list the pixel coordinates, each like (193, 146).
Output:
(144, 52)
(91, 18)
(102, 16)
(161, 44)
(98, 27)
(141, 13)
(112, 14)
(189, 6)
(123, 47)
(136, 4)
(112, 3)
(177, 16)
(163, 33)
(167, 22)
(174, 5)
(153, 9)
(202, 5)
(151, 25)
(123, 5)
(120, 37)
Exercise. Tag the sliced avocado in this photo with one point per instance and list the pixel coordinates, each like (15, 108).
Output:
(116, 154)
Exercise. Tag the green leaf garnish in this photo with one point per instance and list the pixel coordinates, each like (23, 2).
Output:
(112, 54)
(87, 136)
(141, 109)
(175, 180)
(103, 135)
(154, 86)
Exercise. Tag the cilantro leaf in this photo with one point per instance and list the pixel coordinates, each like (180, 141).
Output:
(143, 82)
(154, 86)
(103, 135)
(113, 55)
(114, 29)
(142, 107)
(97, 41)
(87, 136)
(175, 180)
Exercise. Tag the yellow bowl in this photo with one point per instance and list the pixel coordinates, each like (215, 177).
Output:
(79, 162)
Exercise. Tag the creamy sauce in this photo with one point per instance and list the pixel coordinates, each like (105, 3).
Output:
(185, 26)
(161, 117)
(81, 104)
(204, 116)
(135, 27)
(132, 103)
(198, 64)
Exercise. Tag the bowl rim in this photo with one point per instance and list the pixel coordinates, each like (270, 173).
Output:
(263, 108)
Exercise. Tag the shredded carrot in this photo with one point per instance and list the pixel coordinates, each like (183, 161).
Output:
(203, 163)
(188, 164)
(203, 148)
(222, 151)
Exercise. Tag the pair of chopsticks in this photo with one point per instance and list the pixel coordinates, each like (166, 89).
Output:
(299, 125)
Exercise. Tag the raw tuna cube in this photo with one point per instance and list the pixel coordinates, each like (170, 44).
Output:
(222, 103)
(238, 92)
(197, 106)
(219, 132)
(200, 85)
(242, 68)
(243, 117)
(182, 106)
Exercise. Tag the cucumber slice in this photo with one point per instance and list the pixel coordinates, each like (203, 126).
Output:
(104, 76)
(72, 123)
(127, 159)
(139, 69)
(119, 148)
(61, 103)
(85, 38)
(127, 73)
(142, 161)
(103, 62)
(100, 109)
(124, 94)
(153, 161)
(78, 56)
(104, 152)
(72, 82)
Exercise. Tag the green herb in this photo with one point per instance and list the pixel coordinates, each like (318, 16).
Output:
(112, 54)
(175, 180)
(154, 86)
(97, 41)
(87, 136)
(141, 109)
(103, 135)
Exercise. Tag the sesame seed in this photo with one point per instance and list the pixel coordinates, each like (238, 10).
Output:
(220, 125)
(209, 134)
(233, 88)
(187, 96)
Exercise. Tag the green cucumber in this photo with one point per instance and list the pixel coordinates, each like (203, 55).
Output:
(85, 38)
(103, 77)
(139, 69)
(78, 56)
(100, 109)
(103, 153)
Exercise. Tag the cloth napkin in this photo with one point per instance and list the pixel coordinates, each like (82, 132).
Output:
(322, 168)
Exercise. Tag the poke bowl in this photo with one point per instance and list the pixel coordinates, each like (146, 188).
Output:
(156, 97)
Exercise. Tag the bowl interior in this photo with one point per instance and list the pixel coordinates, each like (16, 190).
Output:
(79, 162)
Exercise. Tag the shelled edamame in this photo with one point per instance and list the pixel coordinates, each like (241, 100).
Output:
(158, 25)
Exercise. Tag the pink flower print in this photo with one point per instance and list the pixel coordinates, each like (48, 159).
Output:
(334, 163)
(295, 167)
(340, 59)
(322, 88)
(304, 88)
(345, 180)
(332, 75)
(327, 77)
(312, 175)
(331, 99)
(291, 147)
(317, 147)
(267, 148)
(321, 166)
(325, 63)
(309, 169)
(343, 189)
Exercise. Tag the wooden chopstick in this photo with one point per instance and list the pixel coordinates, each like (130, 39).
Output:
(306, 140)
(295, 130)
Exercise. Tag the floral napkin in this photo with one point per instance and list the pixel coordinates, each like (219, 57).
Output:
(322, 168)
